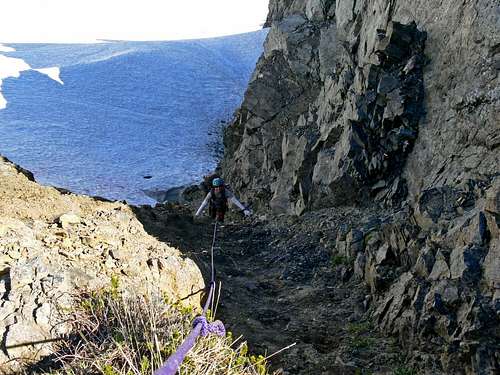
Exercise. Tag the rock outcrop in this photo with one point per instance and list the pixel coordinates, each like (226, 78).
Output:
(54, 244)
(390, 104)
(335, 112)
(434, 274)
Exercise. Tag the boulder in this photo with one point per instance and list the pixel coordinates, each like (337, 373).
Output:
(68, 220)
(436, 204)
(400, 294)
(470, 229)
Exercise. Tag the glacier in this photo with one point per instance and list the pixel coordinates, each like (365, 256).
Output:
(117, 119)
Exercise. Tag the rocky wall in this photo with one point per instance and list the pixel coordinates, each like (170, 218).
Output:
(434, 276)
(390, 103)
(355, 101)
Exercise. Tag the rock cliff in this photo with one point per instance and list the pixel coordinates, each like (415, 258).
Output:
(55, 244)
(336, 111)
(393, 104)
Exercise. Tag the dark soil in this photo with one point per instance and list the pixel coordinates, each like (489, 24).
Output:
(280, 286)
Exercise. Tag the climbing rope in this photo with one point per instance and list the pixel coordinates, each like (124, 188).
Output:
(201, 327)
(212, 265)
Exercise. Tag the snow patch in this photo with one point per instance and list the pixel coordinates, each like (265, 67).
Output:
(53, 73)
(3, 102)
(6, 48)
(166, 97)
(11, 67)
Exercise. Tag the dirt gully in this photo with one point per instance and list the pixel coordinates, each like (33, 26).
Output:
(281, 285)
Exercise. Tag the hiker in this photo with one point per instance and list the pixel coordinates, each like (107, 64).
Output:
(217, 199)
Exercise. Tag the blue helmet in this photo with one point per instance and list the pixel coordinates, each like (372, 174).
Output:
(218, 182)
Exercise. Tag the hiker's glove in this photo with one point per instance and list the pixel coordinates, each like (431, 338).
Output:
(247, 212)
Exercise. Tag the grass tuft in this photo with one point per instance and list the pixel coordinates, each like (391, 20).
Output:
(117, 335)
(361, 335)
(359, 328)
(358, 343)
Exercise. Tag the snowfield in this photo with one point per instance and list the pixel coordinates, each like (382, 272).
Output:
(130, 117)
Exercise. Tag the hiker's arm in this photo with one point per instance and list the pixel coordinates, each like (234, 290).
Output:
(203, 204)
(236, 202)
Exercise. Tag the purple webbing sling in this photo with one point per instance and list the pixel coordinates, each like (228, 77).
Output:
(200, 327)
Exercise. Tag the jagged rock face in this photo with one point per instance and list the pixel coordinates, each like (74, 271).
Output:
(396, 103)
(55, 245)
(346, 110)
(336, 105)
(316, 10)
(434, 273)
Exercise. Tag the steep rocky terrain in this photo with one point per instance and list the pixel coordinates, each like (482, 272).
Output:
(54, 245)
(367, 143)
(388, 105)
(337, 103)
(281, 286)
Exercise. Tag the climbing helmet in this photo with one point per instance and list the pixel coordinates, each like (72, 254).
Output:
(218, 182)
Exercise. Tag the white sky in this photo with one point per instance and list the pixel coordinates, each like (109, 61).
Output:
(88, 20)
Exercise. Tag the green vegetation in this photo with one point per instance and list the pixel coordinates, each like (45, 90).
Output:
(359, 328)
(362, 372)
(115, 286)
(133, 335)
(361, 335)
(362, 343)
(338, 260)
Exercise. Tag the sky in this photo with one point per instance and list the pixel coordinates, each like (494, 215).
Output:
(74, 21)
